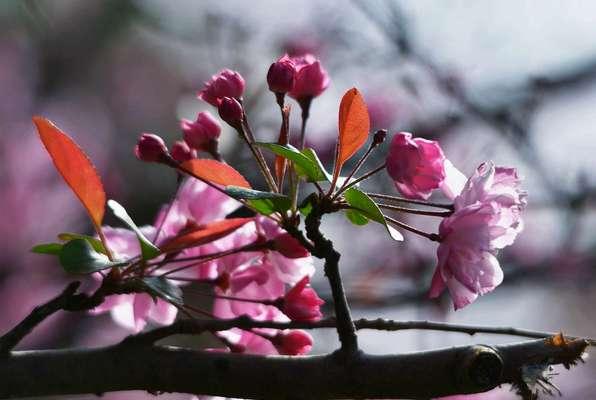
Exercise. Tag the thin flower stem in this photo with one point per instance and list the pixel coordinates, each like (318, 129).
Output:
(199, 311)
(357, 167)
(250, 141)
(305, 106)
(168, 210)
(415, 211)
(358, 180)
(194, 280)
(411, 201)
(431, 236)
(266, 302)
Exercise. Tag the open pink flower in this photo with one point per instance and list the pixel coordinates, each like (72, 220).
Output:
(415, 165)
(310, 79)
(302, 303)
(226, 83)
(487, 217)
(132, 311)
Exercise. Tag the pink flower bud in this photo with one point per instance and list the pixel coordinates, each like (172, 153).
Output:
(302, 303)
(415, 165)
(230, 110)
(289, 247)
(280, 76)
(151, 148)
(227, 83)
(201, 133)
(310, 80)
(292, 342)
(181, 152)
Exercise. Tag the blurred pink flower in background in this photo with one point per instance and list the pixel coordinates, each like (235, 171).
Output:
(226, 83)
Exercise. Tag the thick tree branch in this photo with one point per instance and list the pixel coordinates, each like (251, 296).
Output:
(468, 369)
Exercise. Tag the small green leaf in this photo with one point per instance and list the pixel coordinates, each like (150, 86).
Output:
(148, 249)
(265, 203)
(48, 248)
(158, 286)
(361, 202)
(79, 257)
(321, 173)
(238, 192)
(356, 217)
(95, 243)
(304, 165)
(307, 205)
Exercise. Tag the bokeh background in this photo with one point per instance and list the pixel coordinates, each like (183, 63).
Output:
(512, 81)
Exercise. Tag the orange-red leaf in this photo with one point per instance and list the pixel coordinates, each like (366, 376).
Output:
(354, 125)
(75, 167)
(215, 172)
(205, 234)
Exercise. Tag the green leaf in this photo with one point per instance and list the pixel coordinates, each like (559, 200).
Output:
(321, 173)
(48, 248)
(303, 164)
(79, 257)
(265, 203)
(158, 286)
(307, 205)
(148, 249)
(361, 202)
(356, 217)
(95, 243)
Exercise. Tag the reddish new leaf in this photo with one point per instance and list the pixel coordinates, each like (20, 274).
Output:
(354, 125)
(75, 167)
(215, 172)
(205, 234)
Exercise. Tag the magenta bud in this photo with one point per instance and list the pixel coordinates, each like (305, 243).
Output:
(201, 133)
(151, 148)
(181, 152)
(280, 76)
(226, 83)
(311, 79)
(231, 111)
(289, 247)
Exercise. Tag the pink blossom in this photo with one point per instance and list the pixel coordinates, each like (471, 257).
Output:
(151, 148)
(311, 79)
(302, 303)
(487, 218)
(281, 75)
(226, 83)
(181, 152)
(201, 133)
(132, 311)
(230, 110)
(415, 165)
(293, 342)
(201, 204)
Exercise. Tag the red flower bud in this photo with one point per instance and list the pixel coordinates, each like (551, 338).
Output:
(280, 76)
(230, 110)
(302, 303)
(181, 152)
(151, 148)
(201, 133)
(292, 342)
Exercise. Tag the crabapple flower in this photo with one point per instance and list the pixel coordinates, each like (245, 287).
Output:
(226, 83)
(151, 148)
(293, 342)
(181, 152)
(202, 133)
(487, 218)
(231, 111)
(415, 165)
(311, 79)
(281, 75)
(302, 303)
(132, 311)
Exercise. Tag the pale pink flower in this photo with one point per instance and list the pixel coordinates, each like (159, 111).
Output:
(415, 165)
(132, 311)
(302, 303)
(202, 204)
(226, 83)
(311, 79)
(487, 217)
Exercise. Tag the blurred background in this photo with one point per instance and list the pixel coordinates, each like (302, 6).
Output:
(511, 81)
